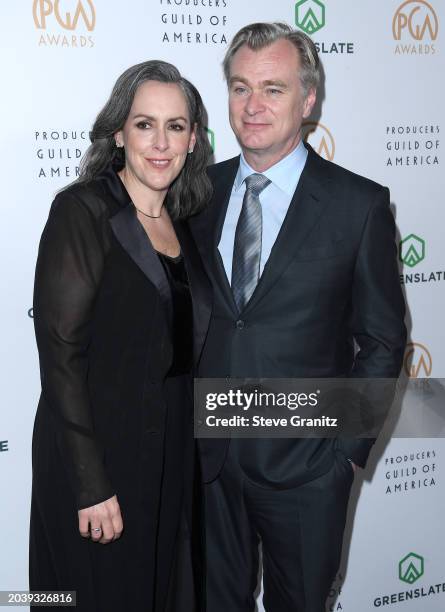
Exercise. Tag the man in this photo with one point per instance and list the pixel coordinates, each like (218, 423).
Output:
(302, 258)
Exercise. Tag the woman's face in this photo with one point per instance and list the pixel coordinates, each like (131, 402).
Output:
(157, 136)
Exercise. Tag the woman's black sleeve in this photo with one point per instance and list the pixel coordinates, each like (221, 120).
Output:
(68, 273)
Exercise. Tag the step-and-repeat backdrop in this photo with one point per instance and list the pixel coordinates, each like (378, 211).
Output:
(380, 113)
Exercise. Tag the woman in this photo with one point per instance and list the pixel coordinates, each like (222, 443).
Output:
(121, 307)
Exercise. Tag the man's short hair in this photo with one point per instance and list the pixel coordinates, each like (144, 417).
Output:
(259, 35)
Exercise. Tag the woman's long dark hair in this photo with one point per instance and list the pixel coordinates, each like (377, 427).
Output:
(191, 190)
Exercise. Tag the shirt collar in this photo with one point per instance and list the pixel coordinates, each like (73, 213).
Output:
(284, 174)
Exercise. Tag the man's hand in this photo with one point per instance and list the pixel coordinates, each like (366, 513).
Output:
(102, 522)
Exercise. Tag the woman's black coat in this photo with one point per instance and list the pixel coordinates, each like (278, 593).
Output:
(109, 420)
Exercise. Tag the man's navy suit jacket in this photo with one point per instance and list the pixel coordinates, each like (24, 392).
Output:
(328, 304)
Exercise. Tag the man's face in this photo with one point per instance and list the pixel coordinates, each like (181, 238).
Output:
(266, 102)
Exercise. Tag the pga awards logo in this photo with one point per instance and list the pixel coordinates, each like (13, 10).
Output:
(417, 362)
(64, 23)
(415, 27)
(320, 138)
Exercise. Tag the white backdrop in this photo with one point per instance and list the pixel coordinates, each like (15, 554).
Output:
(381, 115)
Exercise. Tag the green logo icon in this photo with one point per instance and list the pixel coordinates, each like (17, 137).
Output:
(211, 137)
(310, 15)
(411, 568)
(412, 250)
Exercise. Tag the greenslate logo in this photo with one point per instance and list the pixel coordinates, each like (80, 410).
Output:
(411, 568)
(211, 137)
(412, 250)
(310, 15)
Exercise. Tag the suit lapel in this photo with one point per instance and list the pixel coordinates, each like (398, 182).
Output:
(134, 240)
(308, 203)
(132, 236)
(208, 226)
(200, 288)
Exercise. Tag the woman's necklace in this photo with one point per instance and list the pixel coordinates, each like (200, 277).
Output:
(141, 211)
(147, 215)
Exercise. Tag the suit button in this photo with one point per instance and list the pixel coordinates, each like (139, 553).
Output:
(239, 324)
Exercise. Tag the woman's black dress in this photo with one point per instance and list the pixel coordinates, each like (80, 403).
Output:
(114, 328)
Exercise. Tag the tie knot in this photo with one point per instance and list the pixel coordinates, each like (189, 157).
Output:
(256, 183)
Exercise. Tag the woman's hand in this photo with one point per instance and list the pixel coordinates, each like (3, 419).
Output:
(102, 522)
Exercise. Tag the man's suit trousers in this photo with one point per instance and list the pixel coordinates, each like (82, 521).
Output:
(300, 529)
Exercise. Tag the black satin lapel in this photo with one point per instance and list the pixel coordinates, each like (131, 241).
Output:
(200, 287)
(205, 241)
(113, 185)
(218, 270)
(134, 240)
(207, 229)
(223, 191)
(308, 203)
